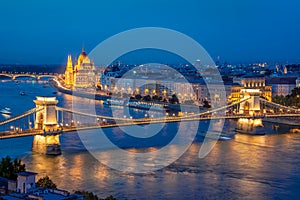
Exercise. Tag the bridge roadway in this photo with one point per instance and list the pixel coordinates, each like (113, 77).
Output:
(130, 122)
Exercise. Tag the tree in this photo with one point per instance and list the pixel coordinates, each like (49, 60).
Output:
(174, 99)
(290, 100)
(279, 99)
(155, 98)
(160, 98)
(296, 92)
(138, 97)
(110, 198)
(206, 104)
(87, 195)
(147, 98)
(45, 182)
(9, 168)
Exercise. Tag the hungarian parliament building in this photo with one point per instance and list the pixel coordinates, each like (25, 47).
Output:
(82, 74)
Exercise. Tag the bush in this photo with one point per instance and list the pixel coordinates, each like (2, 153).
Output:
(87, 195)
(45, 182)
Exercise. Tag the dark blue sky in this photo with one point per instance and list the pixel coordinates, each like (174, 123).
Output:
(44, 32)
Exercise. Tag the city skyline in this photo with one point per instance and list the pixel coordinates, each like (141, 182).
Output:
(161, 99)
(238, 32)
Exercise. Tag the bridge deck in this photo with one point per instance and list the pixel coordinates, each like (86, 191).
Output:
(142, 121)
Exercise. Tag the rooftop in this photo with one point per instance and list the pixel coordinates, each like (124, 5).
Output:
(253, 76)
(27, 173)
(282, 80)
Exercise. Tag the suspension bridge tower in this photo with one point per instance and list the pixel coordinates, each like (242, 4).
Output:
(250, 106)
(250, 102)
(46, 121)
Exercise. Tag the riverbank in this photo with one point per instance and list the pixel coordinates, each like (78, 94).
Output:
(285, 121)
(95, 96)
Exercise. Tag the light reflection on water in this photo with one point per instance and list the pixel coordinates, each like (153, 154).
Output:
(248, 167)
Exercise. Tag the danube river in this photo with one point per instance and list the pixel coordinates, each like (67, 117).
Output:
(247, 167)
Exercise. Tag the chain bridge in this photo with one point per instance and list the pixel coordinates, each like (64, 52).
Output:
(46, 122)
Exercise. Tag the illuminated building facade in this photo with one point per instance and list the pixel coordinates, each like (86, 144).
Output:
(298, 82)
(282, 86)
(193, 89)
(250, 82)
(83, 74)
(69, 73)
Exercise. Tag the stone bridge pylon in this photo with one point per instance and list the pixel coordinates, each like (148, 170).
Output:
(251, 105)
(46, 120)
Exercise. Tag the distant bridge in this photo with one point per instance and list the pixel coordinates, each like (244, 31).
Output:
(14, 76)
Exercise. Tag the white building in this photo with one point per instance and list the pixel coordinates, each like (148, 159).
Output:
(298, 82)
(282, 85)
(26, 182)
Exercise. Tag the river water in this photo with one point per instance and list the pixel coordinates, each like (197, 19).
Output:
(247, 167)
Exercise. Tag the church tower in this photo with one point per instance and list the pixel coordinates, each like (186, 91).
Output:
(69, 72)
(285, 70)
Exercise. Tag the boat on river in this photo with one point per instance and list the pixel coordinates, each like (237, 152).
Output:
(5, 111)
(136, 104)
(146, 106)
(256, 130)
(115, 102)
(214, 135)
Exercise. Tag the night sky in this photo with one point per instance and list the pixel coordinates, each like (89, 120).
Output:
(239, 31)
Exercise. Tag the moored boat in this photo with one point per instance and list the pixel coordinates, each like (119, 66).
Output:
(5, 111)
(115, 102)
(145, 106)
(258, 130)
